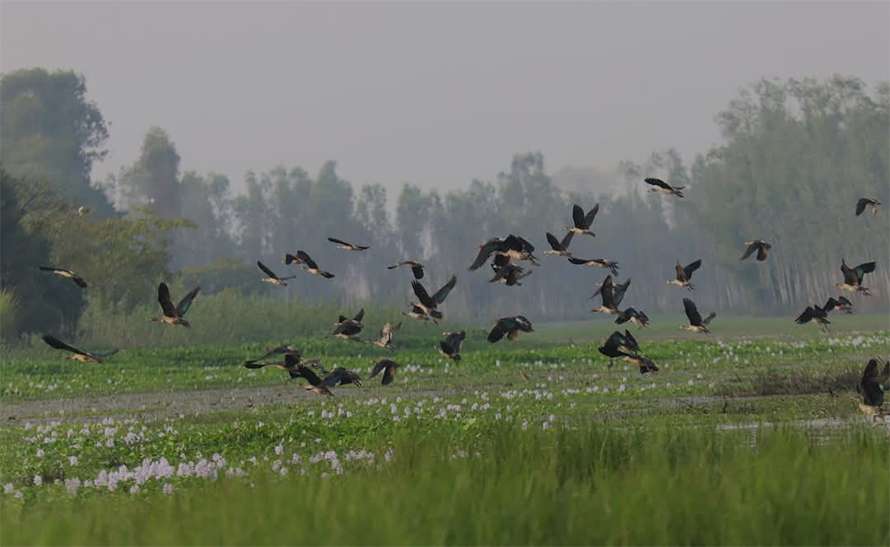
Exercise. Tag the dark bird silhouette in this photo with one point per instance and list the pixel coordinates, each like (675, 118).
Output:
(388, 368)
(418, 313)
(68, 274)
(611, 265)
(867, 203)
(872, 387)
(559, 248)
(485, 251)
(624, 346)
(341, 377)
(316, 384)
(429, 304)
(386, 335)
(759, 246)
(684, 275)
(696, 323)
(77, 354)
(637, 317)
(814, 313)
(347, 328)
(661, 186)
(606, 291)
(507, 273)
(290, 363)
(170, 314)
(450, 346)
(303, 259)
(582, 222)
(346, 246)
(271, 277)
(853, 277)
(514, 247)
(509, 327)
(841, 303)
(416, 267)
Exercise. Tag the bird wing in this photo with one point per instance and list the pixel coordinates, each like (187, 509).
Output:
(692, 312)
(164, 300)
(619, 291)
(657, 182)
(304, 258)
(762, 251)
(55, 343)
(830, 304)
(749, 251)
(691, 267)
(578, 216)
(340, 242)
(591, 215)
(554, 243)
(614, 341)
(863, 269)
(850, 276)
(606, 291)
(805, 316)
(860, 206)
(422, 295)
(578, 261)
(442, 293)
(333, 378)
(417, 270)
(485, 251)
(309, 374)
(389, 373)
(501, 328)
(567, 240)
(630, 341)
(359, 316)
(707, 319)
(266, 270)
(186, 301)
(681, 274)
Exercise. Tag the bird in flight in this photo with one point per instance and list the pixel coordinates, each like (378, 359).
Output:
(684, 275)
(611, 265)
(581, 222)
(429, 304)
(302, 258)
(606, 291)
(67, 274)
(853, 277)
(346, 246)
(637, 317)
(416, 267)
(348, 329)
(872, 387)
(559, 248)
(814, 313)
(696, 323)
(509, 327)
(626, 347)
(170, 314)
(867, 203)
(661, 186)
(272, 277)
(450, 346)
(507, 273)
(841, 303)
(77, 354)
(759, 246)
(388, 367)
(386, 334)
(514, 247)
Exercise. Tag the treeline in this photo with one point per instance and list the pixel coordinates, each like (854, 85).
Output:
(795, 157)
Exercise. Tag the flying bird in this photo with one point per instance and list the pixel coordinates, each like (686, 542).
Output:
(291, 363)
(841, 303)
(386, 334)
(853, 277)
(637, 317)
(612, 266)
(509, 327)
(581, 222)
(450, 346)
(416, 267)
(348, 329)
(759, 246)
(302, 258)
(559, 248)
(77, 354)
(606, 291)
(506, 272)
(341, 377)
(316, 385)
(872, 387)
(867, 203)
(271, 277)
(170, 314)
(625, 347)
(684, 275)
(814, 313)
(659, 185)
(346, 246)
(68, 274)
(514, 247)
(429, 304)
(696, 323)
(388, 367)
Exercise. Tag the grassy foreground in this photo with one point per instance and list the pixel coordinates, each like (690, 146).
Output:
(589, 484)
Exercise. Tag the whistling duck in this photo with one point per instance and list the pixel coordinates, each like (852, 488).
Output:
(580, 222)
(389, 371)
(416, 267)
(68, 274)
(429, 303)
(684, 275)
(853, 277)
(696, 323)
(661, 186)
(271, 277)
(758, 245)
(77, 354)
(386, 335)
(511, 327)
(346, 246)
(302, 258)
(611, 265)
(174, 315)
(347, 328)
(450, 346)
(867, 203)
(872, 387)
(607, 293)
(559, 248)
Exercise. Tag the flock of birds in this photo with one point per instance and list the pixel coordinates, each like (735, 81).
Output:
(507, 256)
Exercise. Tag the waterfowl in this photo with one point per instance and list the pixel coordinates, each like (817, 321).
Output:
(581, 222)
(867, 203)
(291, 362)
(68, 274)
(416, 267)
(450, 346)
(696, 323)
(170, 314)
(606, 291)
(417, 313)
(347, 328)
(302, 258)
(507, 273)
(661, 186)
(853, 277)
(612, 266)
(684, 274)
(388, 367)
(346, 246)
(841, 303)
(511, 327)
(518, 249)
(625, 347)
(341, 377)
(485, 251)
(872, 387)
(613, 347)
(814, 313)
(77, 354)
(637, 317)
(559, 248)
(758, 245)
(429, 303)
(386, 335)
(271, 277)
(316, 385)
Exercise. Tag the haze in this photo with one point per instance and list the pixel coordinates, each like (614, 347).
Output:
(432, 94)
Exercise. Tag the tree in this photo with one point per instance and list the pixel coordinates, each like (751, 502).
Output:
(153, 181)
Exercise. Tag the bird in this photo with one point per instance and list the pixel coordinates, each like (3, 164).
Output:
(417, 313)
(758, 245)
(814, 313)
(174, 315)
(271, 277)
(347, 328)
(291, 363)
(485, 251)
(346, 246)
(316, 384)
(606, 291)
(389, 371)
(612, 266)
(618, 290)
(511, 327)
(68, 274)
(514, 247)
(872, 387)
(637, 317)
(450, 346)
(684, 274)
(841, 303)
(507, 273)
(416, 267)
(302, 258)
(386, 335)
(581, 222)
(626, 347)
(341, 377)
(429, 304)
(659, 185)
(559, 248)
(696, 323)
(612, 347)
(867, 203)
(853, 277)
(77, 354)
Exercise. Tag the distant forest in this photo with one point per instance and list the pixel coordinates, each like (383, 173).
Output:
(795, 157)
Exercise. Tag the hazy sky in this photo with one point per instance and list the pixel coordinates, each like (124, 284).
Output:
(435, 94)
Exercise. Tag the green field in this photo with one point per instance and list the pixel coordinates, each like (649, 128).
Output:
(751, 435)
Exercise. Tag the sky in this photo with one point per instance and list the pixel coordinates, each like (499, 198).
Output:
(434, 94)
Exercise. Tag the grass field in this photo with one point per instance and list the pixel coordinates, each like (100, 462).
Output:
(752, 435)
